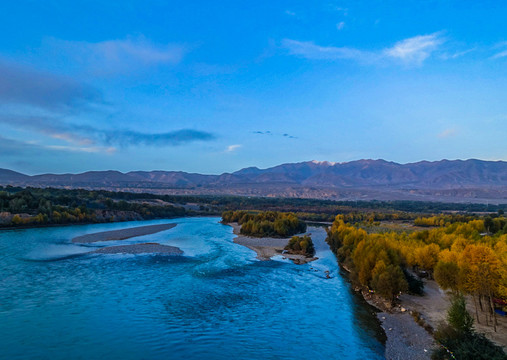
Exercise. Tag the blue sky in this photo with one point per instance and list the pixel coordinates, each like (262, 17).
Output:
(215, 86)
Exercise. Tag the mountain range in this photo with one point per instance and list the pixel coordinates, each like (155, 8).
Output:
(446, 180)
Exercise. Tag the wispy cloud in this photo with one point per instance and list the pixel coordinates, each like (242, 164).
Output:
(51, 127)
(14, 148)
(172, 138)
(22, 155)
(411, 51)
(83, 136)
(416, 49)
(340, 25)
(309, 50)
(86, 149)
(500, 53)
(232, 148)
(59, 99)
(457, 54)
(447, 133)
(112, 57)
(24, 85)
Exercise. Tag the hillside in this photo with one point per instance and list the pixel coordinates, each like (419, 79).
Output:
(445, 180)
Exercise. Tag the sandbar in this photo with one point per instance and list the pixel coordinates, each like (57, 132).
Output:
(144, 248)
(122, 234)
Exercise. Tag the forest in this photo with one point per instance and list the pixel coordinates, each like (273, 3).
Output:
(266, 224)
(467, 257)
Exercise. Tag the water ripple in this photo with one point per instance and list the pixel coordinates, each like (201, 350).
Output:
(216, 302)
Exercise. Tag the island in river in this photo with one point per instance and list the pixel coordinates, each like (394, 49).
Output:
(267, 247)
(123, 234)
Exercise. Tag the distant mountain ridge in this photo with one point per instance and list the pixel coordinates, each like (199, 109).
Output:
(446, 180)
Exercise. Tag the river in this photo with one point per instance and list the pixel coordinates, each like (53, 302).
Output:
(214, 302)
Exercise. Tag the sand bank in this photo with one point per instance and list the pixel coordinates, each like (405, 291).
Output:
(144, 248)
(122, 234)
(267, 247)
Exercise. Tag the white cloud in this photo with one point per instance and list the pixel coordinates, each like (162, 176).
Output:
(416, 49)
(411, 51)
(290, 13)
(340, 25)
(232, 148)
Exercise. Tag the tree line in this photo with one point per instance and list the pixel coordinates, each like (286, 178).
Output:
(465, 258)
(460, 256)
(34, 207)
(265, 224)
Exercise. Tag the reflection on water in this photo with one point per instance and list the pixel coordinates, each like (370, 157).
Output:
(216, 302)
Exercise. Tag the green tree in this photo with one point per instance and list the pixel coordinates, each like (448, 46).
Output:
(458, 316)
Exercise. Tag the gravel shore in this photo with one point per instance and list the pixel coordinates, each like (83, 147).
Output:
(406, 340)
(122, 234)
(144, 248)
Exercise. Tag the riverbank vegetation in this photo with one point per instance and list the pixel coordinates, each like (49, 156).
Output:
(463, 257)
(266, 224)
(39, 207)
(466, 255)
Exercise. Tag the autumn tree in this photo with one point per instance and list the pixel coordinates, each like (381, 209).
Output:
(447, 275)
(390, 282)
(426, 257)
(480, 275)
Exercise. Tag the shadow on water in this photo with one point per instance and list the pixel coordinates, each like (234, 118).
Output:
(365, 314)
(52, 259)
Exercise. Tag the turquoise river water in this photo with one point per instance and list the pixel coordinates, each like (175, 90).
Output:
(214, 302)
